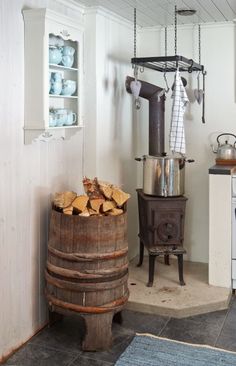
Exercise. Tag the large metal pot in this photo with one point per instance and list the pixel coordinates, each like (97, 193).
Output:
(163, 175)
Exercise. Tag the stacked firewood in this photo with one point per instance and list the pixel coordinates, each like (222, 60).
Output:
(100, 198)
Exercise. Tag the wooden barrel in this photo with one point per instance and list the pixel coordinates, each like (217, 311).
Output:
(87, 266)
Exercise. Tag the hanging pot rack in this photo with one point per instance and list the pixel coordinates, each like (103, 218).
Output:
(167, 63)
(171, 63)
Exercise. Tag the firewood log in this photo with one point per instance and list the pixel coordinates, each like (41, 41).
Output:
(115, 211)
(68, 210)
(80, 203)
(85, 213)
(64, 199)
(106, 189)
(108, 205)
(92, 212)
(120, 197)
(101, 198)
(91, 188)
(96, 203)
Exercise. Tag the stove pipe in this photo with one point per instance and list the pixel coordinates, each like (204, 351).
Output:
(156, 115)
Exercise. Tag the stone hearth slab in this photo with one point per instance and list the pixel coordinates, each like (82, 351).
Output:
(167, 297)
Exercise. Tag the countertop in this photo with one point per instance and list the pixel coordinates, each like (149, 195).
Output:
(223, 169)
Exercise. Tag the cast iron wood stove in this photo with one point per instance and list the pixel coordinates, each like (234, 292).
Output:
(161, 219)
(161, 230)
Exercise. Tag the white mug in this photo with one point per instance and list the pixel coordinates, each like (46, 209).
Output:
(71, 118)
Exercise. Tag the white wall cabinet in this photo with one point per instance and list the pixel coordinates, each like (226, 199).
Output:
(44, 105)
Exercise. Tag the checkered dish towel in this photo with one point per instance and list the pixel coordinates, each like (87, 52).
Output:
(180, 99)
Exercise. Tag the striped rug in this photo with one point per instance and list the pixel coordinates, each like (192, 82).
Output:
(149, 350)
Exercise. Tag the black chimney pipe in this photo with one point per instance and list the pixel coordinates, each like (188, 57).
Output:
(156, 115)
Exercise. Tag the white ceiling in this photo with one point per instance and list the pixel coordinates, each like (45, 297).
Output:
(161, 12)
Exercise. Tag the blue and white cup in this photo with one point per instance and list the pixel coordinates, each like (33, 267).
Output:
(49, 81)
(55, 55)
(61, 116)
(56, 87)
(67, 61)
(68, 51)
(68, 87)
(52, 122)
(56, 83)
(71, 118)
(56, 76)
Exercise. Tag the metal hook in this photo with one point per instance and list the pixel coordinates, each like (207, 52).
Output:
(167, 86)
(198, 80)
(160, 94)
(203, 101)
(190, 69)
(135, 72)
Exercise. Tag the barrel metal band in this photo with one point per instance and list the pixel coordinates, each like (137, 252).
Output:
(88, 309)
(87, 257)
(85, 286)
(88, 273)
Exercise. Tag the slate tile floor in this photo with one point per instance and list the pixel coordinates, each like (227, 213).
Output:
(60, 345)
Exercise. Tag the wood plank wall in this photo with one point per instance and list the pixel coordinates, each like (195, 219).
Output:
(28, 176)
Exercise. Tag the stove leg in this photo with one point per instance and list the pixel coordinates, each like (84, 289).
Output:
(167, 259)
(151, 270)
(180, 265)
(141, 252)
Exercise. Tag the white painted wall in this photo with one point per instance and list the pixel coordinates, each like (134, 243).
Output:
(218, 57)
(29, 174)
(111, 143)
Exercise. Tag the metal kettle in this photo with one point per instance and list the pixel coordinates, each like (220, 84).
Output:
(225, 151)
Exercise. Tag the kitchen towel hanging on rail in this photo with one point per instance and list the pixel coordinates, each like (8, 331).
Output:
(180, 99)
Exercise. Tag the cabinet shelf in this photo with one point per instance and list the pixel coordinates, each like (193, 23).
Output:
(63, 96)
(66, 127)
(61, 67)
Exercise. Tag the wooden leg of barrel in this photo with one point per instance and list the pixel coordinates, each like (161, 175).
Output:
(98, 332)
(54, 317)
(118, 318)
